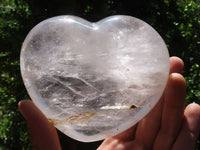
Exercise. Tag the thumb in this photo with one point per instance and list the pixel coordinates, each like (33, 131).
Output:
(43, 133)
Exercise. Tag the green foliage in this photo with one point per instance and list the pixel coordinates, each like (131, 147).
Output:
(193, 89)
(178, 22)
(13, 129)
(193, 84)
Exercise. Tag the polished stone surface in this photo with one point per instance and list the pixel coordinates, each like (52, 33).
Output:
(94, 80)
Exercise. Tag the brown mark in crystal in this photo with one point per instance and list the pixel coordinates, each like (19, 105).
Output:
(133, 107)
(121, 95)
(84, 116)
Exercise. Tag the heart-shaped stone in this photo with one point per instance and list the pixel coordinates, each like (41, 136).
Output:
(94, 80)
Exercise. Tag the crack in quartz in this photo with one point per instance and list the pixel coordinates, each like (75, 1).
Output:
(120, 107)
(61, 80)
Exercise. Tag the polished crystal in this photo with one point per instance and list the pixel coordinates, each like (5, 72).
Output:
(94, 80)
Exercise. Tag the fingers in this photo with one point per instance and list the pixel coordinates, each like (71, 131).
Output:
(190, 129)
(122, 145)
(126, 135)
(148, 127)
(172, 114)
(176, 65)
(115, 142)
(43, 134)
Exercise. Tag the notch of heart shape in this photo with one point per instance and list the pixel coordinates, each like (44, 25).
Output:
(94, 80)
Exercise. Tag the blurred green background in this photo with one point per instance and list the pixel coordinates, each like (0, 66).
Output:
(177, 21)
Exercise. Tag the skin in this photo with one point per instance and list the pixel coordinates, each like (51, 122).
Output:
(169, 126)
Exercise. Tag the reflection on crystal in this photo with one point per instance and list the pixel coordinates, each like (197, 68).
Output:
(94, 80)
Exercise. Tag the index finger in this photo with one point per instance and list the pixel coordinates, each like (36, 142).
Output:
(43, 133)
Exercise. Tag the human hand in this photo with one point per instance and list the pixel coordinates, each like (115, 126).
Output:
(168, 126)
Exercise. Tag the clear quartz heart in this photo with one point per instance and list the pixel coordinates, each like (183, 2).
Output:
(94, 80)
